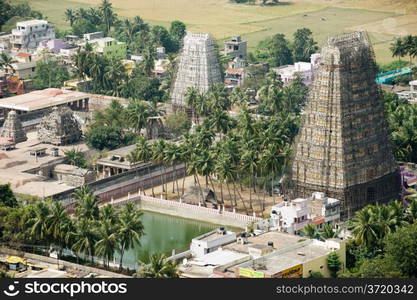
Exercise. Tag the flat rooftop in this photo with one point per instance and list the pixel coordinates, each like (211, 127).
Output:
(219, 257)
(41, 99)
(280, 240)
(70, 169)
(31, 22)
(211, 236)
(277, 262)
(14, 165)
(124, 151)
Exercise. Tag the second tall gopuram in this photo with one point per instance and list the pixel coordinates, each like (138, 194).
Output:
(343, 147)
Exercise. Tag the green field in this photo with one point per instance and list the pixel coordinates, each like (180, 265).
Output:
(224, 19)
(326, 22)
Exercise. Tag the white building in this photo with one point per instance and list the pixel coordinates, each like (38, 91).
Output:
(211, 241)
(291, 217)
(93, 36)
(28, 34)
(304, 69)
(324, 209)
(317, 210)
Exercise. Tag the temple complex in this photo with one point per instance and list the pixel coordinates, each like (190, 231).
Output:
(343, 147)
(12, 129)
(198, 67)
(59, 127)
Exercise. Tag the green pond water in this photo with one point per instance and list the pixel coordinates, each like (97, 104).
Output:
(162, 234)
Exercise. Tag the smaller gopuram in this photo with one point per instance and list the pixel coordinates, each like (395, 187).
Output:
(59, 127)
(12, 129)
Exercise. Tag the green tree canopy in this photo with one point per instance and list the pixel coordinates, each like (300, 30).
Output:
(178, 123)
(400, 249)
(50, 72)
(7, 198)
(303, 45)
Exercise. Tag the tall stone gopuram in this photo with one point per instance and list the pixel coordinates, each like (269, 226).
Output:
(343, 147)
(198, 67)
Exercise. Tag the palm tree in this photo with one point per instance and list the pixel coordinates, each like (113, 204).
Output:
(159, 267)
(127, 31)
(137, 114)
(130, 231)
(238, 97)
(6, 62)
(113, 74)
(249, 166)
(193, 168)
(273, 162)
(187, 147)
(75, 157)
(220, 121)
(384, 219)
(158, 157)
(218, 98)
(148, 63)
(173, 156)
(311, 232)
(86, 203)
(70, 16)
(364, 229)
(97, 66)
(398, 48)
(39, 228)
(58, 224)
(108, 213)
(397, 213)
(224, 171)
(142, 152)
(84, 238)
(191, 99)
(327, 232)
(409, 45)
(412, 51)
(107, 240)
(108, 15)
(206, 167)
(412, 211)
(245, 124)
(204, 135)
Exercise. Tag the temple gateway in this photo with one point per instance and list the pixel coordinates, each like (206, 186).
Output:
(343, 147)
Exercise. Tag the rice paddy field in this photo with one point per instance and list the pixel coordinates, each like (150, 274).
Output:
(384, 19)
